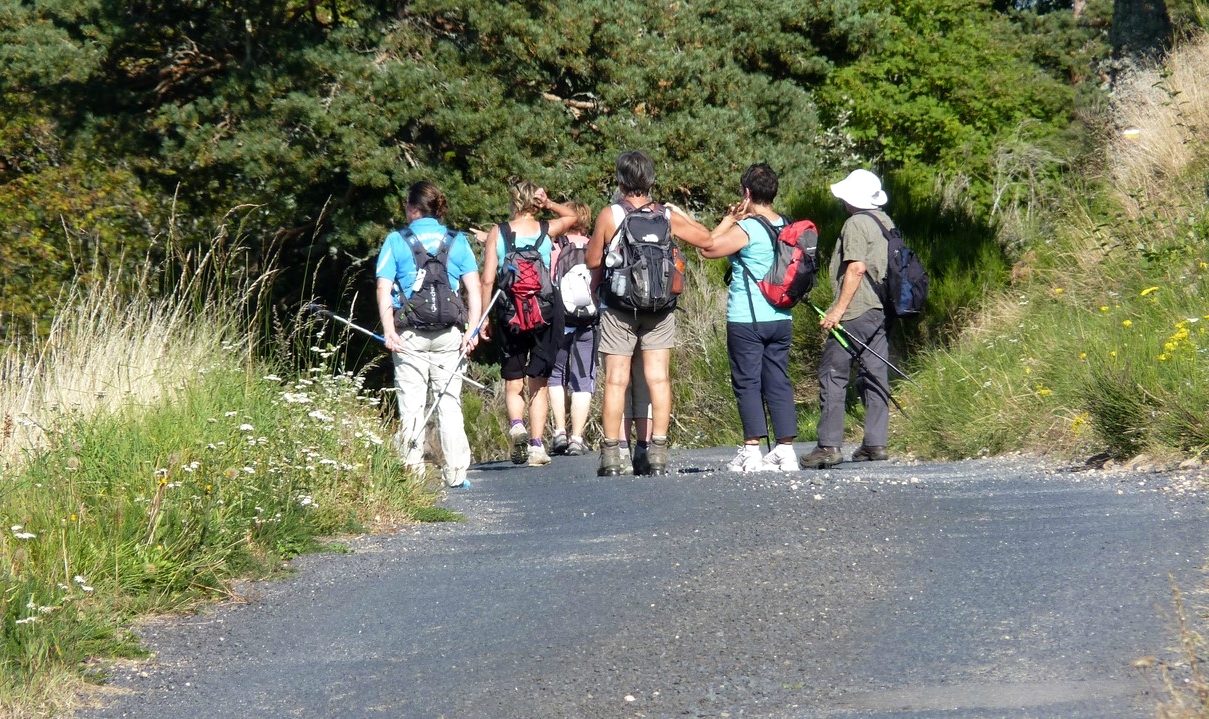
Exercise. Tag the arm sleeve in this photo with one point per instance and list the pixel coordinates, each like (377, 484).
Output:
(461, 256)
(387, 262)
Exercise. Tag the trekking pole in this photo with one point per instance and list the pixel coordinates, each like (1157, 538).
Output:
(864, 346)
(499, 292)
(857, 356)
(407, 353)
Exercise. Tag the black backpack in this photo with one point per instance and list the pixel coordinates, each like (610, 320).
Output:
(529, 294)
(433, 304)
(905, 288)
(647, 270)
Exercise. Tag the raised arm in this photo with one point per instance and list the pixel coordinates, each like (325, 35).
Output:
(566, 216)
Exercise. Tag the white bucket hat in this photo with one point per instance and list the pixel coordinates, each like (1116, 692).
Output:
(861, 189)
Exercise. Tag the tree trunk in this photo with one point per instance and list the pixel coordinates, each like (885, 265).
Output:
(1140, 27)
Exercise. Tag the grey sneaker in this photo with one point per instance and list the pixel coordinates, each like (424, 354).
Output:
(627, 464)
(870, 454)
(519, 436)
(575, 448)
(821, 458)
(657, 457)
(559, 444)
(610, 459)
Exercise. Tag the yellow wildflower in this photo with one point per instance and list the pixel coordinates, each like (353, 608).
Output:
(1127, 323)
(1082, 355)
(1057, 290)
(1103, 308)
(1202, 265)
(1112, 354)
(1163, 358)
(1148, 290)
(1042, 391)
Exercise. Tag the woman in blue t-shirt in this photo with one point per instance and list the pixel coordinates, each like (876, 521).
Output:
(758, 334)
(427, 342)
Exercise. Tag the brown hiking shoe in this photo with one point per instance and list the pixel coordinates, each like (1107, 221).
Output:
(870, 454)
(821, 458)
(610, 458)
(656, 457)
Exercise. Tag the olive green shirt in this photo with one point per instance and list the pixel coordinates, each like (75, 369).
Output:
(861, 240)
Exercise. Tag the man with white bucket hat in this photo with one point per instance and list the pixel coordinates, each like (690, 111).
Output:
(860, 251)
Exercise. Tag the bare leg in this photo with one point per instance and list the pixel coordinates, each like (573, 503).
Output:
(514, 399)
(655, 367)
(617, 379)
(539, 406)
(558, 407)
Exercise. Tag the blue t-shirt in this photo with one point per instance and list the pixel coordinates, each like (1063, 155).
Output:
(744, 294)
(395, 261)
(520, 242)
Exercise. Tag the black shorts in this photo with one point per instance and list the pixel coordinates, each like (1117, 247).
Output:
(528, 354)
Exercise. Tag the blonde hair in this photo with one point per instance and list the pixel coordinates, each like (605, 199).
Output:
(583, 215)
(523, 197)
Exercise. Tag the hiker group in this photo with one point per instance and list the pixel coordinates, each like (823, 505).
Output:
(554, 295)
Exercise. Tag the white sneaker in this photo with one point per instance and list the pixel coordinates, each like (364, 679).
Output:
(538, 456)
(781, 459)
(747, 459)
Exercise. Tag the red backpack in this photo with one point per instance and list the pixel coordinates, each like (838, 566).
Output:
(792, 273)
(529, 294)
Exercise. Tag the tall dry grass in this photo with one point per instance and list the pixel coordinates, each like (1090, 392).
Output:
(1161, 112)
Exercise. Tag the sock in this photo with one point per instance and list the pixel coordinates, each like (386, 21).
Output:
(515, 422)
(559, 431)
(577, 438)
(535, 442)
(643, 444)
(624, 444)
(660, 440)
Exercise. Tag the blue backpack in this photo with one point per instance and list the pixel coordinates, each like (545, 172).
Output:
(905, 288)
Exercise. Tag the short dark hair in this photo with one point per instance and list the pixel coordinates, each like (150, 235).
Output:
(635, 172)
(761, 181)
(425, 198)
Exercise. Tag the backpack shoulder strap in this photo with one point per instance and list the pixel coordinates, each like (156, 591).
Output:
(885, 230)
(418, 252)
(773, 232)
(446, 246)
(508, 236)
(543, 233)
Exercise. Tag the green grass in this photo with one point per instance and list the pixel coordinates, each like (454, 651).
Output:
(150, 459)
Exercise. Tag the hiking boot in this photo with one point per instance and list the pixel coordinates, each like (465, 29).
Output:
(821, 458)
(627, 465)
(642, 459)
(656, 457)
(575, 448)
(519, 436)
(538, 456)
(746, 460)
(610, 459)
(870, 454)
(782, 458)
(559, 444)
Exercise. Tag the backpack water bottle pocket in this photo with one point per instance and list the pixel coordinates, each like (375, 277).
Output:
(642, 282)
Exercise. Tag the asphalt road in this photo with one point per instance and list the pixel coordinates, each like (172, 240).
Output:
(989, 588)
